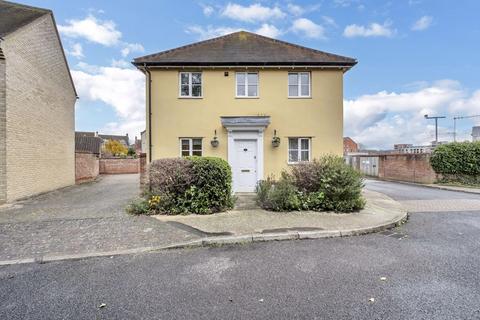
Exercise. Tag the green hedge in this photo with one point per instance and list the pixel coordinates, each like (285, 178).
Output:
(200, 185)
(326, 183)
(457, 162)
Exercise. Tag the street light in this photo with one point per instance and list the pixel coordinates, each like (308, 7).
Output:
(436, 126)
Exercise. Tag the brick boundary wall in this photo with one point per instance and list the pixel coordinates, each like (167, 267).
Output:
(86, 167)
(407, 167)
(143, 171)
(403, 167)
(119, 165)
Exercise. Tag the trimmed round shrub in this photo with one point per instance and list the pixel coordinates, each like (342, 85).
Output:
(457, 161)
(326, 183)
(200, 185)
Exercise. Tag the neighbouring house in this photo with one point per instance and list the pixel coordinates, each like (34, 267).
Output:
(262, 104)
(122, 139)
(138, 146)
(105, 137)
(476, 133)
(410, 148)
(88, 144)
(349, 145)
(37, 104)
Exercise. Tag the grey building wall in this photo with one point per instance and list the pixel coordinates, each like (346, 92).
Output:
(40, 101)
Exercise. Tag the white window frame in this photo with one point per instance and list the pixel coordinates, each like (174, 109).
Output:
(190, 146)
(246, 96)
(300, 96)
(299, 149)
(190, 85)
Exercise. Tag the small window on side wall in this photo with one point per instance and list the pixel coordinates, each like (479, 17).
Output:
(299, 149)
(190, 84)
(299, 84)
(190, 147)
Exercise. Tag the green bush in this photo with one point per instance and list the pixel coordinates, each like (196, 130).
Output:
(323, 184)
(200, 185)
(278, 196)
(138, 206)
(457, 162)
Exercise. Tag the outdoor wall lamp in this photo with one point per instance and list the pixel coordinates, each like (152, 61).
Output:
(214, 142)
(275, 139)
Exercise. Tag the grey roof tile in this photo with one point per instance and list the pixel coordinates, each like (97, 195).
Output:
(243, 48)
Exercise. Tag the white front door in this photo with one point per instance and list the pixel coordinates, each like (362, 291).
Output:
(245, 166)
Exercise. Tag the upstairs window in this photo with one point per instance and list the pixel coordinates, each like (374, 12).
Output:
(190, 147)
(298, 149)
(299, 84)
(191, 84)
(247, 84)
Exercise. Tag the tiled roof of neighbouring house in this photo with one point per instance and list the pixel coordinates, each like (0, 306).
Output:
(88, 144)
(115, 137)
(14, 16)
(244, 48)
(85, 134)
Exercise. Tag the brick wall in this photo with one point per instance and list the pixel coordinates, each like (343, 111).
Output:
(406, 167)
(143, 170)
(40, 111)
(402, 167)
(3, 123)
(119, 166)
(86, 167)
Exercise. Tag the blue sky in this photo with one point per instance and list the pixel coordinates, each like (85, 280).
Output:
(415, 56)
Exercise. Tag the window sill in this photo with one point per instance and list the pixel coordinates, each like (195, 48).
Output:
(309, 97)
(295, 163)
(190, 97)
(257, 97)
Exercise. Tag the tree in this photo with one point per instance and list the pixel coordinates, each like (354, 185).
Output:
(115, 147)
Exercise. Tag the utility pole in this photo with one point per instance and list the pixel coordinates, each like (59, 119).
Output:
(436, 125)
(455, 124)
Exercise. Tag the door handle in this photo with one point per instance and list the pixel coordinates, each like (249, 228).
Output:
(245, 170)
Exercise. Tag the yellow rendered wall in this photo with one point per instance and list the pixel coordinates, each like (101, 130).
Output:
(319, 117)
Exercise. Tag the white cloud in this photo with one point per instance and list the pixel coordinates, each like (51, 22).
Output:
(295, 9)
(382, 119)
(210, 31)
(308, 28)
(120, 63)
(269, 30)
(208, 10)
(344, 3)
(131, 47)
(76, 51)
(121, 88)
(329, 21)
(253, 13)
(372, 30)
(423, 23)
(92, 29)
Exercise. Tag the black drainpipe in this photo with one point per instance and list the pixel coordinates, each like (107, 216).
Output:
(149, 113)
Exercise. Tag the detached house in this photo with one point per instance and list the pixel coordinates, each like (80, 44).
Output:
(37, 104)
(260, 103)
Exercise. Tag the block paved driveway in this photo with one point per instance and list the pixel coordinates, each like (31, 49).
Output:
(82, 219)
